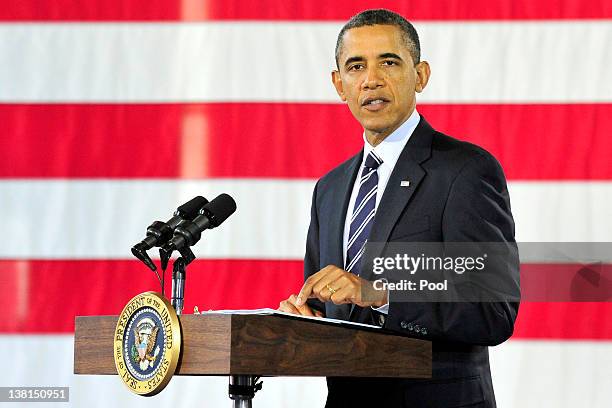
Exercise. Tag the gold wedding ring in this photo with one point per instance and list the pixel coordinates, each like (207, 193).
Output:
(331, 290)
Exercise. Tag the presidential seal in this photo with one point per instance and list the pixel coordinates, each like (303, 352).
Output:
(147, 343)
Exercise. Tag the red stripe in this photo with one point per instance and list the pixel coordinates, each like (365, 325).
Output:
(560, 318)
(198, 10)
(283, 140)
(566, 282)
(564, 320)
(60, 290)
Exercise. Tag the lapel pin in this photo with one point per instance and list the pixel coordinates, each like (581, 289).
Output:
(405, 183)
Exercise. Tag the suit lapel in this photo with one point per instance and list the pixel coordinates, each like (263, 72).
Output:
(396, 197)
(339, 205)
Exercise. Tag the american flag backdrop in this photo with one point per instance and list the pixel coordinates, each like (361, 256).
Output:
(112, 113)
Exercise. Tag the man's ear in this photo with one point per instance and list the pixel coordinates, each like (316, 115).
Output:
(423, 72)
(337, 81)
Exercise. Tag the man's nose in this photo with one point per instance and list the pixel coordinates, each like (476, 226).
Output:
(372, 78)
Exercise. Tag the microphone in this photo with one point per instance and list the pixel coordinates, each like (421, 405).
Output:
(160, 232)
(189, 232)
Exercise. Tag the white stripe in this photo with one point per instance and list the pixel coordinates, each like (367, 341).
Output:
(360, 229)
(526, 374)
(364, 202)
(562, 211)
(103, 219)
(366, 176)
(560, 374)
(471, 62)
(47, 361)
(357, 257)
(53, 219)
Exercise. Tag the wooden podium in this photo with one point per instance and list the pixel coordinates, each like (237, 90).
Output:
(245, 347)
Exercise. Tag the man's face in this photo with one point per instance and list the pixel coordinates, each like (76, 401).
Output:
(378, 79)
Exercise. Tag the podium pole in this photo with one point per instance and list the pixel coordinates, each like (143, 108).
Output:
(242, 389)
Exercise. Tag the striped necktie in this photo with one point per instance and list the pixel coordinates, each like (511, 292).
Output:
(363, 213)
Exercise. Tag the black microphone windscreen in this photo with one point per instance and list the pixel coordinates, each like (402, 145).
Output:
(191, 208)
(219, 209)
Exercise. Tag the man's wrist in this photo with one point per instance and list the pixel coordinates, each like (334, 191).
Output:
(381, 297)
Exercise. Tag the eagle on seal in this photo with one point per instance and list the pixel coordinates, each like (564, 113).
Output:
(145, 337)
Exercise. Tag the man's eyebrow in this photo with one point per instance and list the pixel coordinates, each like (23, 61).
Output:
(359, 58)
(354, 59)
(390, 55)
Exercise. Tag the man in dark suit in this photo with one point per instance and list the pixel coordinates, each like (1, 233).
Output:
(410, 183)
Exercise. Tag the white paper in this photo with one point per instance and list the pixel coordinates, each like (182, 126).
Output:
(268, 311)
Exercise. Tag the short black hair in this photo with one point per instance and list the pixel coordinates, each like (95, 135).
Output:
(383, 17)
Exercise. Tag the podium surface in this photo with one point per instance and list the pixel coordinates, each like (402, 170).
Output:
(266, 345)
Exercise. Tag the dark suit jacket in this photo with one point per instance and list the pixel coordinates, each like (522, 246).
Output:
(457, 193)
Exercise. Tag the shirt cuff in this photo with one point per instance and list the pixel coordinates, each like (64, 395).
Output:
(384, 309)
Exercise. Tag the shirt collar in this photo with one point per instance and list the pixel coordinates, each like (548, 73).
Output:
(391, 147)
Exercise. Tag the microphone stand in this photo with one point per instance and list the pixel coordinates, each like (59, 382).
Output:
(179, 270)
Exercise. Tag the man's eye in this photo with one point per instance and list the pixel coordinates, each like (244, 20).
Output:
(355, 67)
(389, 63)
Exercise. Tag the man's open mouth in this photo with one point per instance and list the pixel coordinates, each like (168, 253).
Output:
(374, 104)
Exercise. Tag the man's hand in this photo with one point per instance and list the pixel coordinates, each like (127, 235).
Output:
(339, 286)
(290, 306)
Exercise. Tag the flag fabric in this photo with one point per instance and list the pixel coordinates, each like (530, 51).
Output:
(113, 113)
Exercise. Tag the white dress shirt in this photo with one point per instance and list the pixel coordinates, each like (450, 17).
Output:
(389, 151)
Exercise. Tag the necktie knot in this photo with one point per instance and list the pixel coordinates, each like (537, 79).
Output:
(372, 161)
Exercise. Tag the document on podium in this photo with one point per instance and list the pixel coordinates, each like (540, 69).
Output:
(274, 312)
